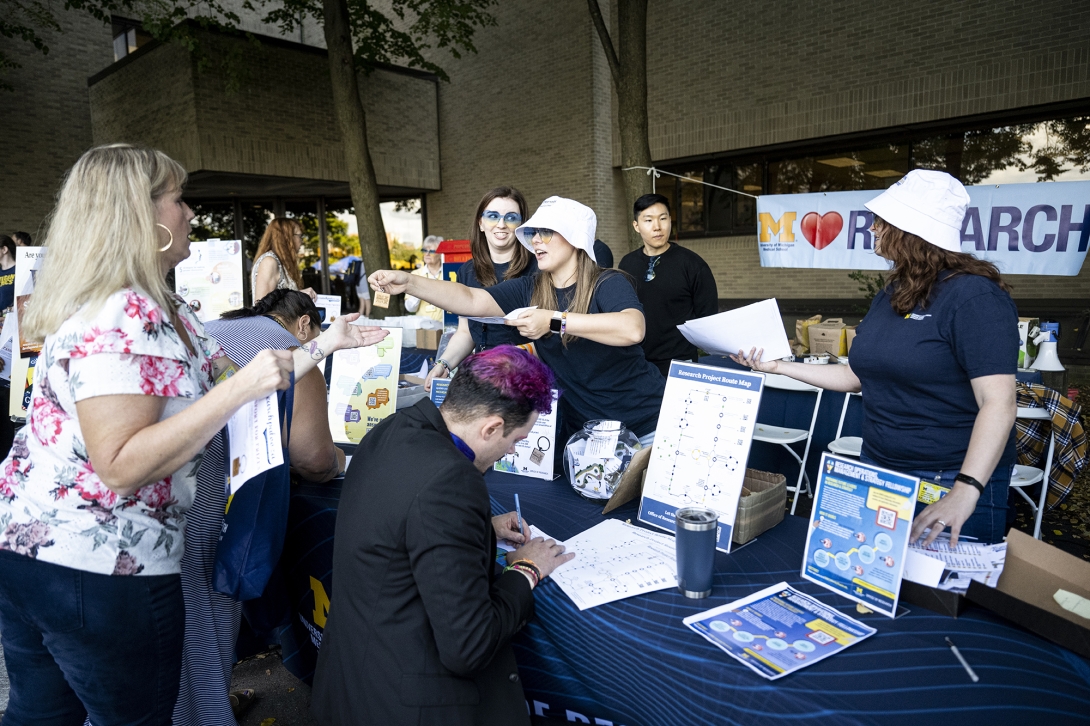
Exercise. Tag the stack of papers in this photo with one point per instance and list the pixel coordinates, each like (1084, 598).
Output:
(614, 560)
(754, 326)
(952, 569)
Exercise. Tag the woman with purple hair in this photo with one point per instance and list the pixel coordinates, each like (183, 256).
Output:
(420, 621)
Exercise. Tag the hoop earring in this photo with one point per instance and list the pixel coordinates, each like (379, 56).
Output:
(168, 244)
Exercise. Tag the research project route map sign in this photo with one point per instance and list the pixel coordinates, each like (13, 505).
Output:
(859, 530)
(701, 446)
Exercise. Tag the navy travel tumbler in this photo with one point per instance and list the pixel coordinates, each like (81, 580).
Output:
(696, 531)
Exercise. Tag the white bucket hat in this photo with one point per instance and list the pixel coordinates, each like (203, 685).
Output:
(928, 204)
(576, 222)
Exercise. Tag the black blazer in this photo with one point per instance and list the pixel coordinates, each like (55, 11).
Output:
(419, 624)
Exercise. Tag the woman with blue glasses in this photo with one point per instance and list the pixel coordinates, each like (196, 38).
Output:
(497, 256)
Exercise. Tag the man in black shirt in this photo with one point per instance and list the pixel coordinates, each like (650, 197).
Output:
(674, 284)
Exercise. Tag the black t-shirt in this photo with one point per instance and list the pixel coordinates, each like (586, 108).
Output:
(598, 381)
(683, 289)
(915, 369)
(489, 336)
(7, 288)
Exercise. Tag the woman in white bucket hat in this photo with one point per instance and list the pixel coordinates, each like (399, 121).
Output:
(587, 327)
(935, 358)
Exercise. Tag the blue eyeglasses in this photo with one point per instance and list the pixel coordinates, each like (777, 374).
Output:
(511, 219)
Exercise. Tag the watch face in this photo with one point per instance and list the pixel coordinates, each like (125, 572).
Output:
(554, 325)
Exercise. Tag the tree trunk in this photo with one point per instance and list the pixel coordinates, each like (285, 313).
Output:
(352, 123)
(628, 66)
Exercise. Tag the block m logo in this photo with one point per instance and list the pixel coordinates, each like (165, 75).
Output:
(784, 227)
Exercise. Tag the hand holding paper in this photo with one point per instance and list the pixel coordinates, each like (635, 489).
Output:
(754, 326)
(513, 315)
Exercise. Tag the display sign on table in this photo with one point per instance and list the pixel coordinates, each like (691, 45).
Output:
(1025, 229)
(533, 455)
(439, 388)
(28, 260)
(363, 387)
(860, 525)
(701, 446)
(332, 306)
(778, 630)
(210, 279)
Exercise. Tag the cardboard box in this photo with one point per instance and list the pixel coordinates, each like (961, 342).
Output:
(849, 338)
(762, 505)
(428, 338)
(1028, 329)
(828, 337)
(942, 602)
(1032, 573)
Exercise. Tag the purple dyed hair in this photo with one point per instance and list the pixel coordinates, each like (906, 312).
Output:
(516, 374)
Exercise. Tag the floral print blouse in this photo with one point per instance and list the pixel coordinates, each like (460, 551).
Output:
(52, 504)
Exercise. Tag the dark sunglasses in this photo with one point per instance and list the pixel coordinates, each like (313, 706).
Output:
(511, 219)
(651, 264)
(546, 235)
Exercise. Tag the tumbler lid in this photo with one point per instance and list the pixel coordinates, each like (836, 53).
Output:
(697, 519)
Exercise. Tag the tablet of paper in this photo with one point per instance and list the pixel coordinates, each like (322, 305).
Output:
(500, 321)
(754, 326)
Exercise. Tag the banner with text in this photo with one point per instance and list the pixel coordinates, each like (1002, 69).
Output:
(1025, 229)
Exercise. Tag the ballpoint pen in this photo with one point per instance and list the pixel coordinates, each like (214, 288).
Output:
(964, 663)
(518, 513)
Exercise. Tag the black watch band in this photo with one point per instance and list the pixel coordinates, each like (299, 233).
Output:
(970, 481)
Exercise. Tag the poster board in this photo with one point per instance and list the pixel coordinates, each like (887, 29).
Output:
(332, 306)
(210, 279)
(704, 434)
(363, 387)
(28, 260)
(533, 455)
(857, 540)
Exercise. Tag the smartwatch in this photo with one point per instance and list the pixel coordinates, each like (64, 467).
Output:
(554, 324)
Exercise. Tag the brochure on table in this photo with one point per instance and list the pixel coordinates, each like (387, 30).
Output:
(857, 541)
(254, 437)
(533, 455)
(210, 279)
(332, 306)
(363, 387)
(778, 630)
(28, 260)
(701, 446)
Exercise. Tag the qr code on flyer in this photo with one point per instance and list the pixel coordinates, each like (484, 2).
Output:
(821, 637)
(886, 518)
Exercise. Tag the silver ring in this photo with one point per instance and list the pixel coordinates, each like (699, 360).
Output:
(940, 522)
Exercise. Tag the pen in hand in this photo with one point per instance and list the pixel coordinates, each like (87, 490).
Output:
(518, 513)
(964, 663)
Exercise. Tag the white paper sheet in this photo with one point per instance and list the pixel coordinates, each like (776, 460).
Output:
(960, 565)
(254, 432)
(922, 568)
(500, 321)
(613, 561)
(754, 326)
(332, 305)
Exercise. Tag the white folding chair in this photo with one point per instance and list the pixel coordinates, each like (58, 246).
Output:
(1025, 476)
(846, 445)
(785, 437)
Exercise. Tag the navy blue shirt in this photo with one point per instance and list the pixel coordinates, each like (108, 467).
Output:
(598, 381)
(918, 402)
(489, 336)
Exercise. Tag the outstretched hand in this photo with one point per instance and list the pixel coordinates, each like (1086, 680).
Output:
(340, 335)
(753, 360)
(393, 282)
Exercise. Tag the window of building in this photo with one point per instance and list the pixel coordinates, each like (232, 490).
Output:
(1056, 149)
(128, 36)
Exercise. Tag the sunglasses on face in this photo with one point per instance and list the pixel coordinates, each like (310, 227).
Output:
(546, 235)
(430, 252)
(511, 219)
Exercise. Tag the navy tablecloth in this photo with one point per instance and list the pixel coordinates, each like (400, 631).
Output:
(633, 662)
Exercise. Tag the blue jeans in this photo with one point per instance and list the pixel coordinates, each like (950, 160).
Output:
(988, 522)
(80, 644)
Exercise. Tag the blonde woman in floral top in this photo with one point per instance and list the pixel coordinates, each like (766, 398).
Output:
(97, 484)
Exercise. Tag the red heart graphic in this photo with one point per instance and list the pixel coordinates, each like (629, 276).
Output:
(821, 230)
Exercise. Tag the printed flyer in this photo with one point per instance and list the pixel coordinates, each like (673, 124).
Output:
(363, 387)
(210, 280)
(332, 306)
(704, 434)
(533, 455)
(859, 529)
(439, 388)
(778, 630)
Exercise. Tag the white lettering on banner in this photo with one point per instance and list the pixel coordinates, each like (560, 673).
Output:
(1025, 229)
(569, 715)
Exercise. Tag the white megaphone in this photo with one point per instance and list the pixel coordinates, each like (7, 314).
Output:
(1047, 359)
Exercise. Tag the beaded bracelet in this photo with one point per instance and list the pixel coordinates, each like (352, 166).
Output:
(564, 322)
(531, 564)
(443, 363)
(529, 572)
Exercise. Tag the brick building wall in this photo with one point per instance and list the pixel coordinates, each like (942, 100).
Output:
(279, 120)
(47, 120)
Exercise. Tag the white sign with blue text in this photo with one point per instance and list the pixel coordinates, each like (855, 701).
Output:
(1025, 229)
(701, 445)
